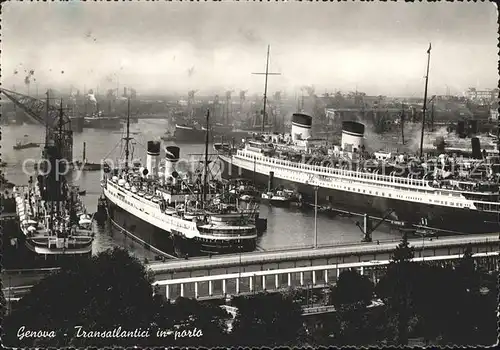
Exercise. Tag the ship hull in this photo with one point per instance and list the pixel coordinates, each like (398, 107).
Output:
(103, 123)
(170, 242)
(454, 220)
(191, 135)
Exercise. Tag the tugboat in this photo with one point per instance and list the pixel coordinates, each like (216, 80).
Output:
(20, 145)
(280, 197)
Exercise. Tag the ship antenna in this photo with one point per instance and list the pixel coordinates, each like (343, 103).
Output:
(425, 102)
(265, 87)
(47, 119)
(206, 160)
(127, 137)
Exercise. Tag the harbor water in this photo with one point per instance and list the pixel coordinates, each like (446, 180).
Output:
(287, 228)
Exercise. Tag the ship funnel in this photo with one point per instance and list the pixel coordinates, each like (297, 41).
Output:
(301, 126)
(352, 136)
(152, 157)
(476, 148)
(143, 171)
(172, 154)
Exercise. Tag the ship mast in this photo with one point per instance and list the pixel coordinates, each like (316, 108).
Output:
(59, 147)
(205, 168)
(127, 137)
(84, 155)
(425, 102)
(403, 122)
(47, 119)
(265, 87)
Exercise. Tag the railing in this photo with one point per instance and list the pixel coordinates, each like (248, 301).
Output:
(360, 265)
(308, 254)
(350, 174)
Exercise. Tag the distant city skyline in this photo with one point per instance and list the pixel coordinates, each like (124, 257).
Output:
(377, 48)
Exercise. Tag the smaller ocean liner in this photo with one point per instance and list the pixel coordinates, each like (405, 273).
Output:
(52, 216)
(189, 133)
(54, 229)
(100, 121)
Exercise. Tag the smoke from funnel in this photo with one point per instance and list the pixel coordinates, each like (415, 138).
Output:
(91, 98)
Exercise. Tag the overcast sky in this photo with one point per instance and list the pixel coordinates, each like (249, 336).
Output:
(378, 48)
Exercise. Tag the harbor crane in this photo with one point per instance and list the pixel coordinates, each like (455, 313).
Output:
(57, 123)
(228, 104)
(242, 99)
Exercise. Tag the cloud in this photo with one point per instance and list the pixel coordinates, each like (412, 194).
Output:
(380, 48)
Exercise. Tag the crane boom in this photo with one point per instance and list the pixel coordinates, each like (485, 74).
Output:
(58, 125)
(33, 107)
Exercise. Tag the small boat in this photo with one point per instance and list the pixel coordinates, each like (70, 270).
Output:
(19, 145)
(82, 192)
(279, 197)
(84, 165)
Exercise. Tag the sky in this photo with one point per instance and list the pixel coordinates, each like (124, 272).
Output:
(377, 48)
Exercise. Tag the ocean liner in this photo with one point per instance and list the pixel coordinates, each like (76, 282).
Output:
(195, 133)
(175, 213)
(446, 193)
(189, 133)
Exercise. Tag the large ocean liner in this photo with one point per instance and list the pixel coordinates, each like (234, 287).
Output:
(175, 213)
(442, 192)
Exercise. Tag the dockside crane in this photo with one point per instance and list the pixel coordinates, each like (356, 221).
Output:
(228, 106)
(34, 108)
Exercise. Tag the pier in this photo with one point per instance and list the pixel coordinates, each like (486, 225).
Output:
(218, 277)
(340, 254)
(312, 277)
